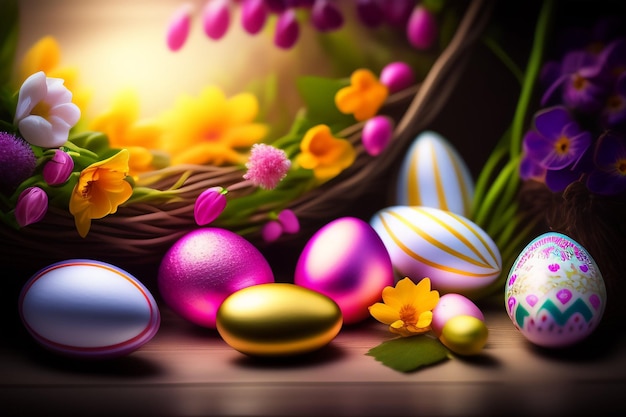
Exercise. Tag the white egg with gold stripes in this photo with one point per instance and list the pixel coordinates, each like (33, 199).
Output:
(455, 253)
(433, 174)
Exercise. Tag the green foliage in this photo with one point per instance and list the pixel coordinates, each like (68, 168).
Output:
(407, 354)
(8, 38)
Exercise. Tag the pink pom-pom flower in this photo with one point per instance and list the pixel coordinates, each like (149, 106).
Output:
(267, 166)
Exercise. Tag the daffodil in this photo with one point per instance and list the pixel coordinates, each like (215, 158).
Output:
(101, 188)
(325, 154)
(121, 125)
(363, 97)
(45, 55)
(407, 307)
(211, 129)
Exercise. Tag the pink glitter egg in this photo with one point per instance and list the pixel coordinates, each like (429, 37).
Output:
(346, 261)
(204, 267)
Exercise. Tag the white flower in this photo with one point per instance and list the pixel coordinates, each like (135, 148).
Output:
(45, 112)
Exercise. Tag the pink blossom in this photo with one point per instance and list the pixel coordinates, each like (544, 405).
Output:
(45, 112)
(31, 207)
(267, 166)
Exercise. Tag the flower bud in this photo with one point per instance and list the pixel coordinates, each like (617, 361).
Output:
(271, 231)
(178, 28)
(253, 15)
(216, 18)
(58, 169)
(377, 133)
(325, 16)
(289, 221)
(370, 12)
(397, 76)
(422, 28)
(209, 205)
(31, 207)
(287, 30)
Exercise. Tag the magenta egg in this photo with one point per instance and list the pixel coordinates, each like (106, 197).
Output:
(346, 261)
(204, 267)
(451, 305)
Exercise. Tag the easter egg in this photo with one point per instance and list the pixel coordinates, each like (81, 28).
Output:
(433, 174)
(554, 293)
(455, 253)
(88, 309)
(204, 267)
(278, 319)
(451, 305)
(347, 261)
(464, 335)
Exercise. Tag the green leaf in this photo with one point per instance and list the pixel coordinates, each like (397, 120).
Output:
(406, 354)
(8, 38)
(318, 94)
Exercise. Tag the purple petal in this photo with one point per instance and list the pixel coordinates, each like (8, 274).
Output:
(58, 169)
(287, 30)
(422, 28)
(326, 16)
(610, 149)
(370, 12)
(209, 205)
(530, 169)
(607, 183)
(550, 122)
(558, 180)
(397, 12)
(31, 206)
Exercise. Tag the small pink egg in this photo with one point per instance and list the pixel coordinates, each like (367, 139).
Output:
(346, 261)
(204, 267)
(451, 305)
(397, 76)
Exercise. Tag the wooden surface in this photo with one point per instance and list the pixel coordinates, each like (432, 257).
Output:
(189, 371)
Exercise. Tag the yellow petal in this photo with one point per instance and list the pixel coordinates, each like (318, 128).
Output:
(242, 108)
(424, 320)
(384, 313)
(44, 55)
(406, 290)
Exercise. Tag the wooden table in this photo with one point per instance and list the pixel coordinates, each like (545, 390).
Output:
(190, 371)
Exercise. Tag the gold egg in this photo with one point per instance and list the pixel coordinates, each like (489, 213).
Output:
(464, 335)
(276, 319)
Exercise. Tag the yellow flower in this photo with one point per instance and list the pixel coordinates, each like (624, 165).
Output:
(363, 97)
(211, 128)
(101, 188)
(121, 126)
(45, 55)
(407, 308)
(325, 154)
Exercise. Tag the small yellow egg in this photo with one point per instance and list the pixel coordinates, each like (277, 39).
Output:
(278, 319)
(464, 335)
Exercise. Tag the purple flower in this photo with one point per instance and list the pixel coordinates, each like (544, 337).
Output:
(209, 205)
(58, 169)
(31, 207)
(557, 141)
(17, 162)
(609, 175)
(267, 166)
(613, 114)
(581, 82)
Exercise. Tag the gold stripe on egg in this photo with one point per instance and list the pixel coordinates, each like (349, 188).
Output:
(465, 195)
(478, 236)
(459, 236)
(413, 185)
(428, 262)
(441, 195)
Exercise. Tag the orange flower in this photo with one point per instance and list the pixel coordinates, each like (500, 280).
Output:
(325, 154)
(363, 97)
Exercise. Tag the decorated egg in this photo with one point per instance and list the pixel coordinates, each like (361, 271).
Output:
(204, 267)
(433, 174)
(347, 261)
(454, 252)
(465, 335)
(278, 319)
(88, 309)
(554, 293)
(451, 305)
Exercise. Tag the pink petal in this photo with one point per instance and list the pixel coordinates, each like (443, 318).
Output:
(178, 27)
(253, 15)
(289, 221)
(68, 112)
(271, 231)
(37, 131)
(287, 30)
(422, 28)
(33, 90)
(31, 207)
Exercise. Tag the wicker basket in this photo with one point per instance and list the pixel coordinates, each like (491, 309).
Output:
(138, 235)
